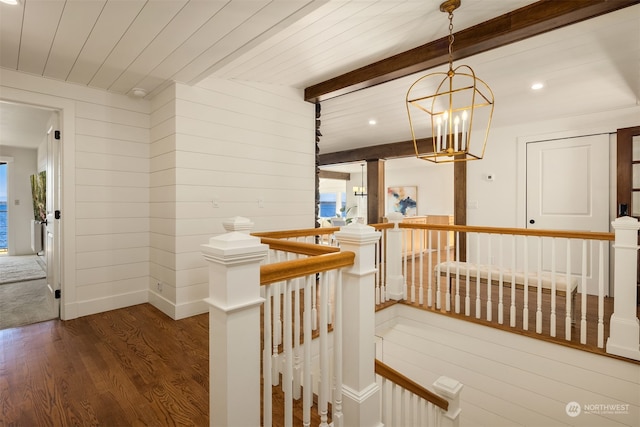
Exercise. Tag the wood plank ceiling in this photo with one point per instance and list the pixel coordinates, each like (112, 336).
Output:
(119, 45)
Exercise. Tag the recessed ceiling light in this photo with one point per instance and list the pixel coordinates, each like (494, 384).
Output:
(537, 86)
(138, 92)
(372, 122)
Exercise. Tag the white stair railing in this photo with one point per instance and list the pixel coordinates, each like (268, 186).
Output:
(406, 403)
(540, 278)
(347, 279)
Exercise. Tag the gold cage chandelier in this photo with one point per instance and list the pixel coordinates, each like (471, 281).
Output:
(455, 102)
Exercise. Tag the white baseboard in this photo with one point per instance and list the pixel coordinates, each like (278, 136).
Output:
(162, 304)
(112, 302)
(192, 308)
(177, 311)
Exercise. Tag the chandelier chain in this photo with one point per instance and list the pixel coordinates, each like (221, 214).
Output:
(451, 39)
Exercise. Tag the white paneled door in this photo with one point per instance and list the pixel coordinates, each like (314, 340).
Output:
(52, 229)
(568, 189)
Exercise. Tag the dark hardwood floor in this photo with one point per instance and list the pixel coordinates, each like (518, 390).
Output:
(127, 367)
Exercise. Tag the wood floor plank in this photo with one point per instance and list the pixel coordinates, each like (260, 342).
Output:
(133, 366)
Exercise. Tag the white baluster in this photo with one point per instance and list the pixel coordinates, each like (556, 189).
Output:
(297, 367)
(552, 322)
(567, 296)
(489, 278)
(287, 377)
(422, 252)
(583, 295)
(267, 409)
(512, 311)
(467, 297)
(478, 284)
(457, 298)
(331, 282)
(402, 410)
(385, 268)
(277, 334)
(500, 284)
(337, 416)
(277, 317)
(430, 278)
(314, 306)
(385, 399)
(394, 405)
(601, 295)
(438, 278)
(307, 398)
(447, 302)
(539, 289)
(525, 309)
(323, 386)
(414, 271)
(378, 266)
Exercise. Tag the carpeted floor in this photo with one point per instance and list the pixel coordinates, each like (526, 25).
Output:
(23, 300)
(23, 303)
(20, 268)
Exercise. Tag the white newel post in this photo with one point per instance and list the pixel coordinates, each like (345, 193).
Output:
(361, 394)
(234, 325)
(450, 389)
(394, 279)
(624, 333)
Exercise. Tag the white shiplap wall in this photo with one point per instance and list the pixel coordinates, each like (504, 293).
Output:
(509, 380)
(223, 149)
(105, 191)
(112, 205)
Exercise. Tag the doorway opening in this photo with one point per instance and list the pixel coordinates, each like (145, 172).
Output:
(30, 279)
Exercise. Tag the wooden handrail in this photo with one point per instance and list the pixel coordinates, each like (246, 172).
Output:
(292, 269)
(586, 235)
(301, 248)
(286, 234)
(382, 225)
(391, 374)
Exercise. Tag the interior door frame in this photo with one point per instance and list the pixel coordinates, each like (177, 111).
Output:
(624, 174)
(67, 235)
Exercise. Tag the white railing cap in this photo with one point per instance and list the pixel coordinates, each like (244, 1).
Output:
(238, 223)
(395, 217)
(356, 232)
(448, 387)
(625, 223)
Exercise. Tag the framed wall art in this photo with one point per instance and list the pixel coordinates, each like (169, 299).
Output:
(402, 199)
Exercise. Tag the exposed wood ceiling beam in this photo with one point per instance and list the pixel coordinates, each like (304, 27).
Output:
(384, 151)
(528, 21)
(345, 176)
